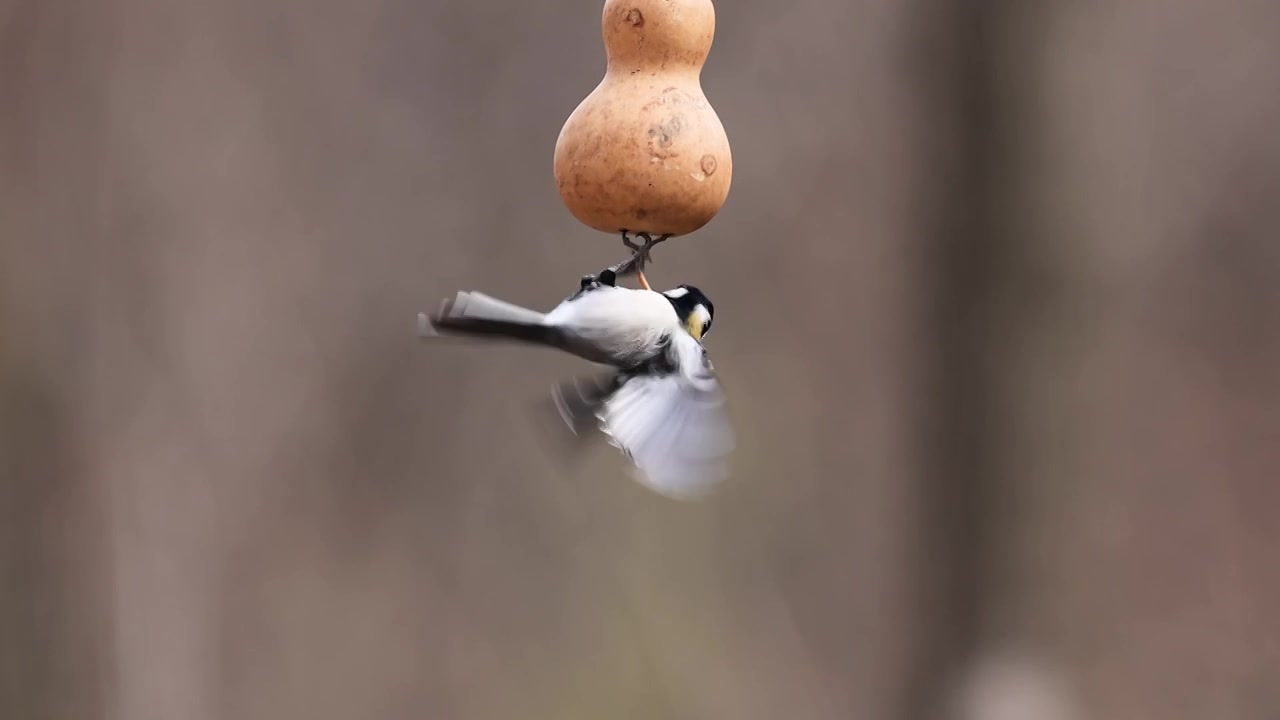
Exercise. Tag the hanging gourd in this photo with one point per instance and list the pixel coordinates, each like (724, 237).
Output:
(645, 152)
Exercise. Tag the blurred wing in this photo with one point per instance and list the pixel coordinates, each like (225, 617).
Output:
(673, 427)
(579, 400)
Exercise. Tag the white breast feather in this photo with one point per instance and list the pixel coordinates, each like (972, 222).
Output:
(621, 321)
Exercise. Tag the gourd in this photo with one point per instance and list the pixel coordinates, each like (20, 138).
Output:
(645, 151)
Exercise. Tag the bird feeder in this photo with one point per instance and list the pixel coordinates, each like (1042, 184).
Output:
(645, 152)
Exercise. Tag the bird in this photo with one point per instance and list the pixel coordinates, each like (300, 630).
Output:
(660, 401)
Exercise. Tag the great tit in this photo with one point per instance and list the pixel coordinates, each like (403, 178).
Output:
(660, 403)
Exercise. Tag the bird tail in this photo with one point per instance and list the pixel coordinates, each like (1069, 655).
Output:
(474, 313)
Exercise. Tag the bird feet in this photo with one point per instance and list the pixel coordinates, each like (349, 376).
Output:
(606, 277)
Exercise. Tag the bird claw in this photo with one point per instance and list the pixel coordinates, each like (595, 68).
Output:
(607, 277)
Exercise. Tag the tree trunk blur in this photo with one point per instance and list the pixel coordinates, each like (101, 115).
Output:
(999, 294)
(1108, 389)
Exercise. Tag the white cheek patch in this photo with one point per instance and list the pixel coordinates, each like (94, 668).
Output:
(676, 293)
(701, 314)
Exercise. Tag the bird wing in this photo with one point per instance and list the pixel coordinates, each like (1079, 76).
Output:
(579, 399)
(673, 426)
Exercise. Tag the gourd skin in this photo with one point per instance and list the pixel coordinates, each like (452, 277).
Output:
(645, 151)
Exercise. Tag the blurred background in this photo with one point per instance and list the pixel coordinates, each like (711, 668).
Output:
(999, 293)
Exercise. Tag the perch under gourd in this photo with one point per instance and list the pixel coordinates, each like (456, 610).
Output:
(645, 151)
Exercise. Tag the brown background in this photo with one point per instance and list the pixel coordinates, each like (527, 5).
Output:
(999, 314)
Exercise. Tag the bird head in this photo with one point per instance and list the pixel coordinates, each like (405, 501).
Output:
(694, 309)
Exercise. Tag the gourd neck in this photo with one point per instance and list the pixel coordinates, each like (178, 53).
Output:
(630, 68)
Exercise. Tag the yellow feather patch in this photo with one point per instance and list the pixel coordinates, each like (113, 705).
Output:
(694, 325)
(696, 321)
